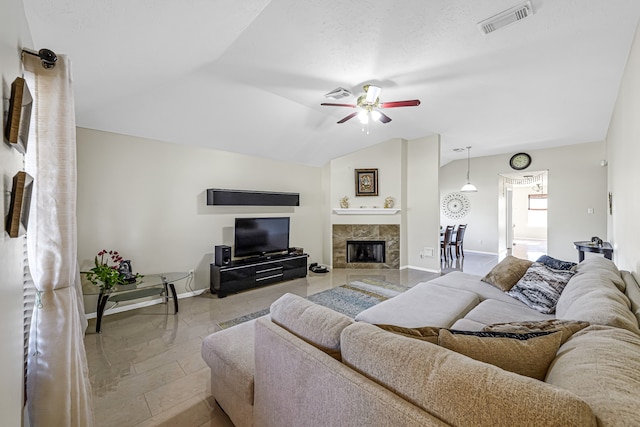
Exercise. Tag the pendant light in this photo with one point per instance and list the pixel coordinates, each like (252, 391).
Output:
(468, 187)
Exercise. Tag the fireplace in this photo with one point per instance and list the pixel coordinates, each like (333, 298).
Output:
(366, 251)
(381, 246)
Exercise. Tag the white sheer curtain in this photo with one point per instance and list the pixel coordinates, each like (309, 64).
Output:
(58, 388)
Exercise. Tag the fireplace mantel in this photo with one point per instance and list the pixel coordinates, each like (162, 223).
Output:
(366, 211)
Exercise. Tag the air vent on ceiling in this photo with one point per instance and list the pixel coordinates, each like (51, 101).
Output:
(505, 18)
(338, 93)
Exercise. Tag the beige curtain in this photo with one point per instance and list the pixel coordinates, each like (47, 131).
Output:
(58, 388)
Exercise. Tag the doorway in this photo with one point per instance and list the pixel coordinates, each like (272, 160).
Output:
(525, 213)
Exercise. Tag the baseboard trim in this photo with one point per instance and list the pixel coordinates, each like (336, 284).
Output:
(428, 270)
(141, 304)
(481, 252)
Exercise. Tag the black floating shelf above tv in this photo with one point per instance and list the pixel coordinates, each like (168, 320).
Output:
(219, 197)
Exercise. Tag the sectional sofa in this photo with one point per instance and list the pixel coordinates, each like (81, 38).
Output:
(452, 351)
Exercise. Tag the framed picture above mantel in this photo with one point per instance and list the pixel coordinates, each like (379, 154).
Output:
(366, 182)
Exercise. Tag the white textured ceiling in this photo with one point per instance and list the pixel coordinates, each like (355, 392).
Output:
(249, 76)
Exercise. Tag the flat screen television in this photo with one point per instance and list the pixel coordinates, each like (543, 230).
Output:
(261, 236)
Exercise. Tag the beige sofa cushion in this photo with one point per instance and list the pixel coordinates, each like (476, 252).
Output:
(465, 324)
(601, 365)
(471, 283)
(425, 304)
(318, 325)
(491, 311)
(528, 355)
(605, 268)
(230, 355)
(590, 297)
(507, 273)
(457, 389)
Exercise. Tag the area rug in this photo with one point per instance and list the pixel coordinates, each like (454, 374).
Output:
(348, 299)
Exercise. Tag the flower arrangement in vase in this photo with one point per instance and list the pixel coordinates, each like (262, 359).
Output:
(110, 270)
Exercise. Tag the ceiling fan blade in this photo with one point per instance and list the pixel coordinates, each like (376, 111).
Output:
(384, 118)
(350, 116)
(338, 105)
(372, 93)
(411, 103)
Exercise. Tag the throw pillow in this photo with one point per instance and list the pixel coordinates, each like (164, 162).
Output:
(540, 287)
(566, 327)
(425, 333)
(527, 354)
(507, 273)
(556, 264)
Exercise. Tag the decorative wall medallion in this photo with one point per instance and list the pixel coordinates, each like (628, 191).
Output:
(455, 205)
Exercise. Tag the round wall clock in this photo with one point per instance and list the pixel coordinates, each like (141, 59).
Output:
(520, 161)
(455, 205)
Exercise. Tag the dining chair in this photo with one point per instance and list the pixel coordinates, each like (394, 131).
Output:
(447, 242)
(460, 240)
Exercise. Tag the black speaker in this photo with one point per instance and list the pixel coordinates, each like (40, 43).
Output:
(222, 255)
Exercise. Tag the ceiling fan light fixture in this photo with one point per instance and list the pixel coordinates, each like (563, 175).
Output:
(373, 92)
(363, 117)
(375, 115)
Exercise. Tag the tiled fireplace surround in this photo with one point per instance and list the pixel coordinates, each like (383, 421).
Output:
(389, 233)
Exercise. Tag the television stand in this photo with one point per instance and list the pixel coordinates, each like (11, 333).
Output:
(256, 272)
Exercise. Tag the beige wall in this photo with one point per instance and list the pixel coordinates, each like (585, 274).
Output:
(623, 151)
(422, 207)
(576, 183)
(387, 158)
(146, 199)
(408, 172)
(14, 34)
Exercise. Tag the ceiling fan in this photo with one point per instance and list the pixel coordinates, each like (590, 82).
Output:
(369, 105)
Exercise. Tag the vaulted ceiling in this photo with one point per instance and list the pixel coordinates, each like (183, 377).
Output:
(249, 76)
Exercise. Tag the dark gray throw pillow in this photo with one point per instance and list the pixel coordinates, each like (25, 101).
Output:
(556, 264)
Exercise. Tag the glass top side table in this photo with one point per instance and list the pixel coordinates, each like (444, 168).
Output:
(147, 286)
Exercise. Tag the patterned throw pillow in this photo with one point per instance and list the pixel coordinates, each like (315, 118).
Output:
(556, 264)
(540, 287)
(507, 273)
(567, 327)
(528, 354)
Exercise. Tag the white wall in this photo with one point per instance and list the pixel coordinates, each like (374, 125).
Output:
(623, 151)
(14, 34)
(577, 182)
(147, 200)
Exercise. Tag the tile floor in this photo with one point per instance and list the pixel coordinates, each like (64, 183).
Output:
(145, 366)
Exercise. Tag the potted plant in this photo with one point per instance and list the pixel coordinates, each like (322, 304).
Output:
(111, 270)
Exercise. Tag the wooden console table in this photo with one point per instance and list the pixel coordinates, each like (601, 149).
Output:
(606, 249)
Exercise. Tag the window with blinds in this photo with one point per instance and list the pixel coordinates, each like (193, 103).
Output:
(28, 302)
